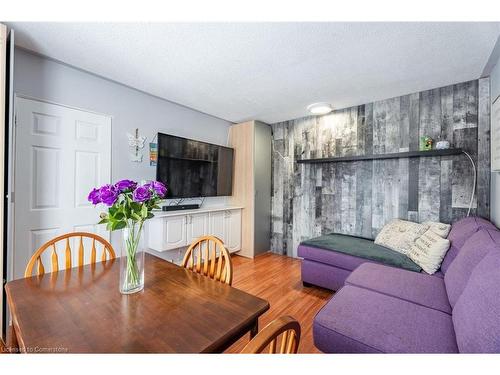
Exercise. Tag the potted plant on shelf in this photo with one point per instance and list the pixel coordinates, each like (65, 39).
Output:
(129, 206)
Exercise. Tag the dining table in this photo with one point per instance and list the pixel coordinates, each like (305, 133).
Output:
(81, 310)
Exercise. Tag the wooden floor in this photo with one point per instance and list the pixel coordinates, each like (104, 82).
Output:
(276, 278)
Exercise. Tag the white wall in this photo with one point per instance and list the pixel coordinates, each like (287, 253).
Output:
(42, 78)
(495, 176)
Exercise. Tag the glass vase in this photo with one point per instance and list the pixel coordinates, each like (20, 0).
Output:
(132, 259)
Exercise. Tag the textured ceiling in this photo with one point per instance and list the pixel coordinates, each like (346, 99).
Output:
(269, 71)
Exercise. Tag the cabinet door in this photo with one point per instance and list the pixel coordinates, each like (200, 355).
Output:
(175, 232)
(197, 226)
(156, 234)
(217, 225)
(233, 230)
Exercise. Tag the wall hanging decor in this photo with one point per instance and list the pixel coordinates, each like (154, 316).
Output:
(153, 154)
(137, 142)
(153, 151)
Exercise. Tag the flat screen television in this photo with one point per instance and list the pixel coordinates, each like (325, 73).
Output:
(193, 169)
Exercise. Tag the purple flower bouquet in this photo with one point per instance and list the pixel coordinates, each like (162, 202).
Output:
(129, 206)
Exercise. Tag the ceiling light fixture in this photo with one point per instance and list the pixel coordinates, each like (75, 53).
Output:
(319, 108)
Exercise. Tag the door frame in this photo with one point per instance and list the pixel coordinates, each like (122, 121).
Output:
(35, 98)
(4, 119)
(12, 205)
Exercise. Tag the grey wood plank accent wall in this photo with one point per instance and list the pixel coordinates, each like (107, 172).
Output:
(360, 197)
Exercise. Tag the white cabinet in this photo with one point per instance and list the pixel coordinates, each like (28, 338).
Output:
(175, 232)
(226, 225)
(233, 231)
(197, 226)
(217, 225)
(167, 233)
(169, 230)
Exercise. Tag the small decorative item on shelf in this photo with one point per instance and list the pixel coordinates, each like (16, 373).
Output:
(425, 143)
(130, 205)
(442, 145)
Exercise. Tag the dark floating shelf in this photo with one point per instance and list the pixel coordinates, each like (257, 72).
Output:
(397, 155)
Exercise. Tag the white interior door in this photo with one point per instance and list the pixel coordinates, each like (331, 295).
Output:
(61, 154)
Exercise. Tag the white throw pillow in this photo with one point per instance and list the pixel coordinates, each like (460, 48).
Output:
(428, 251)
(441, 229)
(399, 235)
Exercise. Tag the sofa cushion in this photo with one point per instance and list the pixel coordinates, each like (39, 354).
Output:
(428, 251)
(472, 252)
(359, 320)
(476, 315)
(399, 235)
(441, 229)
(323, 275)
(332, 258)
(419, 288)
(459, 233)
(359, 248)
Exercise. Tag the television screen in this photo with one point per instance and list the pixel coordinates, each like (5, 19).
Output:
(192, 169)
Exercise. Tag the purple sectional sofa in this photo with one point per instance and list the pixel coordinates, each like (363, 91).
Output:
(383, 309)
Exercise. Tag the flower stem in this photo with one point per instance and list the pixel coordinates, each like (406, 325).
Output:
(132, 277)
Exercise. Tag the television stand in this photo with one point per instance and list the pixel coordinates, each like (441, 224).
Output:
(177, 229)
(179, 207)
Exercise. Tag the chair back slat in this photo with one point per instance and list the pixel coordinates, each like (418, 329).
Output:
(223, 273)
(272, 347)
(68, 254)
(291, 342)
(207, 259)
(286, 327)
(198, 258)
(105, 251)
(36, 259)
(41, 269)
(219, 269)
(55, 263)
(80, 252)
(213, 259)
(93, 252)
(284, 341)
(201, 257)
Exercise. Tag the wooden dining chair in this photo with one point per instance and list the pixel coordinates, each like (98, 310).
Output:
(36, 259)
(202, 257)
(286, 327)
